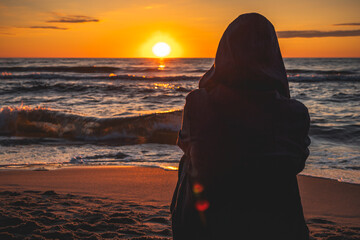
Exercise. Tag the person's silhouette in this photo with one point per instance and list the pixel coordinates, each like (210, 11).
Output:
(244, 141)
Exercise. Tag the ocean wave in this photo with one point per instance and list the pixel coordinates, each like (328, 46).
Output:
(113, 158)
(343, 134)
(143, 69)
(83, 69)
(49, 76)
(15, 141)
(122, 77)
(323, 78)
(36, 86)
(323, 72)
(41, 122)
(341, 97)
(74, 69)
(40, 86)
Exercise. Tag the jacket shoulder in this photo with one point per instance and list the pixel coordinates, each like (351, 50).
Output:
(195, 94)
(298, 108)
(293, 106)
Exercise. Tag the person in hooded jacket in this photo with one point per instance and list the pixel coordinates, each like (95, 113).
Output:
(244, 141)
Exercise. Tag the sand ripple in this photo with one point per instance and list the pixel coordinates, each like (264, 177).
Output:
(49, 215)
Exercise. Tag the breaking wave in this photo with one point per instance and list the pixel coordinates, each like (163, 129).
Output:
(41, 122)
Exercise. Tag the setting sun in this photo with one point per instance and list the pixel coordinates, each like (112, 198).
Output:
(161, 49)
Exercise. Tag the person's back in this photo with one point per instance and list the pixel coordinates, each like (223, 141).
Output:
(244, 141)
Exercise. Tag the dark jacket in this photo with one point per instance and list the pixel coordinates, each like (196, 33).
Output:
(244, 141)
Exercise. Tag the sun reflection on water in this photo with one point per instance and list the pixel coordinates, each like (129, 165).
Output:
(161, 67)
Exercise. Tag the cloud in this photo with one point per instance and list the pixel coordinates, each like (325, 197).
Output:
(315, 33)
(73, 19)
(47, 27)
(6, 33)
(5, 30)
(347, 24)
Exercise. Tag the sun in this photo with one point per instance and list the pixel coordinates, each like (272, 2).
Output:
(161, 49)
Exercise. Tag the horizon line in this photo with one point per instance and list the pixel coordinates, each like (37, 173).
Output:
(153, 57)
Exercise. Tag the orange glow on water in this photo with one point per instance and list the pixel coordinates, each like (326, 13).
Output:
(22, 108)
(164, 85)
(171, 168)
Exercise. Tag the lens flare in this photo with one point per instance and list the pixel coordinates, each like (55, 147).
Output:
(198, 188)
(202, 205)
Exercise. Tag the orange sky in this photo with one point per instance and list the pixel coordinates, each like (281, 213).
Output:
(116, 28)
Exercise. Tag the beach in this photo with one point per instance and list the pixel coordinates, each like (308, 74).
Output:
(133, 203)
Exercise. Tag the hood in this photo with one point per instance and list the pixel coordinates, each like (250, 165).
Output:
(248, 57)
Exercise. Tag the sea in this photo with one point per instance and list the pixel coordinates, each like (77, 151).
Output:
(64, 112)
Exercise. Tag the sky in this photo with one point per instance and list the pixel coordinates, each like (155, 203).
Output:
(192, 28)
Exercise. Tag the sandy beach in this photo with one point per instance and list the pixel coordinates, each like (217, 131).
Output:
(133, 203)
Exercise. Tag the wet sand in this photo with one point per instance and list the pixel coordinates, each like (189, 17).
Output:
(133, 203)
